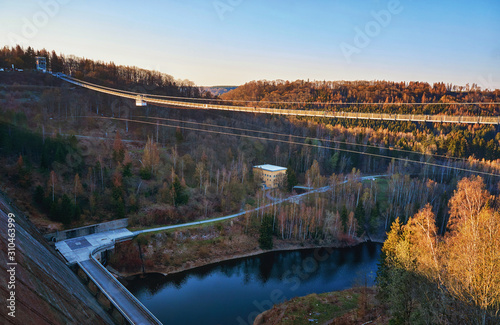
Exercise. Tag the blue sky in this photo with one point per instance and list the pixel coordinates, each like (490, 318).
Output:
(230, 42)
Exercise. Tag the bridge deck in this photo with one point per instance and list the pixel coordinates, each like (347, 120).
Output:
(79, 249)
(304, 187)
(119, 296)
(150, 99)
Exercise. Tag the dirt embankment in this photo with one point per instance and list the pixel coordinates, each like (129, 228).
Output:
(184, 249)
(353, 306)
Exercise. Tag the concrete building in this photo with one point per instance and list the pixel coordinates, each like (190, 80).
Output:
(271, 175)
(41, 63)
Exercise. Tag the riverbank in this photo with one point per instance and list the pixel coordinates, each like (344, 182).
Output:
(258, 283)
(358, 305)
(207, 262)
(178, 251)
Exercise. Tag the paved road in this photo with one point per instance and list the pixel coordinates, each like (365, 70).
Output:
(276, 201)
(120, 297)
(80, 250)
(268, 195)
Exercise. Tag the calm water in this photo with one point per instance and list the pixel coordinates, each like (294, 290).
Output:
(235, 292)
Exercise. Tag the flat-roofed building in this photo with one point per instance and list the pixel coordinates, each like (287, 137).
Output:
(271, 175)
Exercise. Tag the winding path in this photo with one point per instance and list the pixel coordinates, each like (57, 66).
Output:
(275, 201)
(82, 251)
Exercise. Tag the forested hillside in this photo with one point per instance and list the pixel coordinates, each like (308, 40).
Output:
(156, 171)
(104, 73)
(462, 141)
(72, 156)
(387, 96)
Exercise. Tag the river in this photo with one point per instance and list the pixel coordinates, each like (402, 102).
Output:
(236, 291)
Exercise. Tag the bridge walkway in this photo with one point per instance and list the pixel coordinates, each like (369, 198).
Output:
(117, 294)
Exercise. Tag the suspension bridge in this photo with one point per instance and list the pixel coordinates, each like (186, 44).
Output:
(144, 99)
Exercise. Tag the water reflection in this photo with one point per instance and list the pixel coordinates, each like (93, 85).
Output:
(234, 292)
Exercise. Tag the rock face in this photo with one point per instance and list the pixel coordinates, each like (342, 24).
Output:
(46, 291)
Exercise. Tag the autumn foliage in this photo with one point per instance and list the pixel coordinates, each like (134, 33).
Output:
(387, 96)
(460, 270)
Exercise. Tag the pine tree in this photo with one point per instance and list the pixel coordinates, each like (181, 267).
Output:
(266, 233)
(374, 215)
(291, 179)
(66, 210)
(359, 214)
(78, 188)
(118, 149)
(39, 196)
(179, 193)
(127, 166)
(334, 161)
(178, 135)
(344, 217)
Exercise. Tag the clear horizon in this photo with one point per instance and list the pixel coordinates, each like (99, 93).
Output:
(231, 42)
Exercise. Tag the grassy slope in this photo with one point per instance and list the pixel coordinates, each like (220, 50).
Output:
(353, 306)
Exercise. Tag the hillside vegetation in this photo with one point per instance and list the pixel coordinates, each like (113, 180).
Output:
(452, 279)
(104, 73)
(384, 96)
(73, 157)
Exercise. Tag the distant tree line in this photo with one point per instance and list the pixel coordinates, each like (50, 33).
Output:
(172, 174)
(104, 73)
(389, 96)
